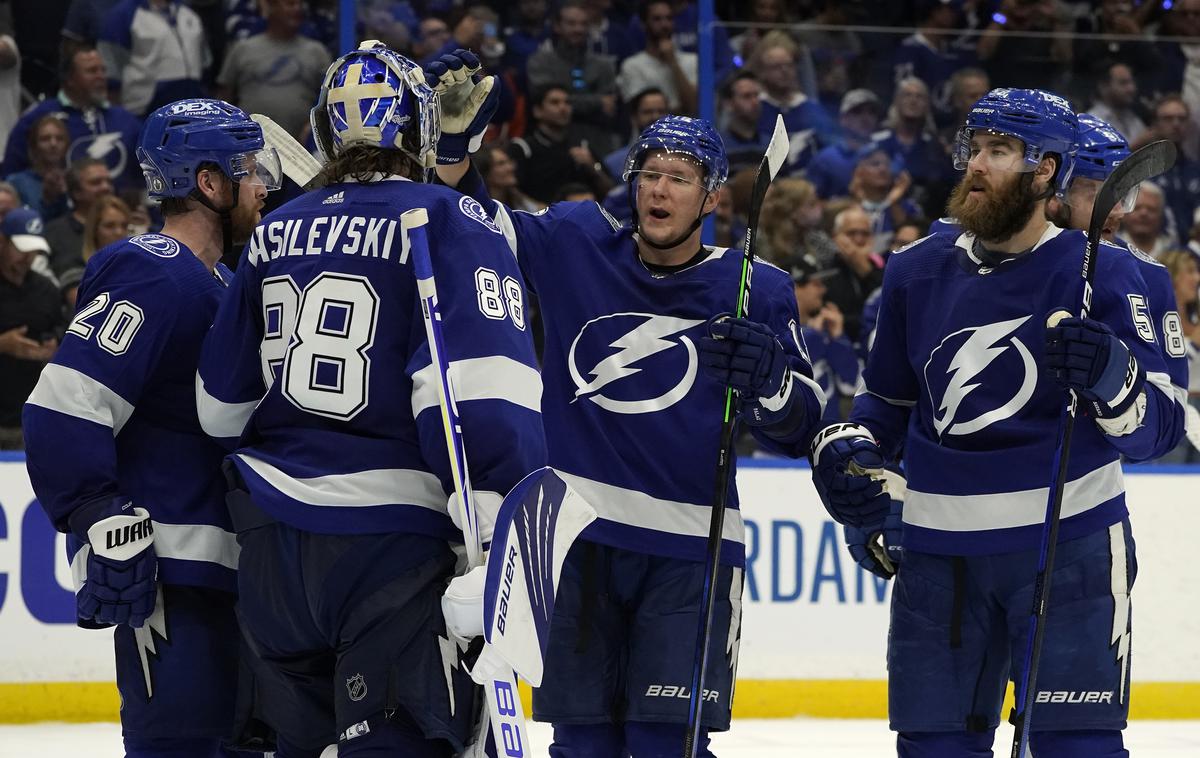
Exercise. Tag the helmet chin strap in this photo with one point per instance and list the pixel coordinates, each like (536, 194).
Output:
(637, 227)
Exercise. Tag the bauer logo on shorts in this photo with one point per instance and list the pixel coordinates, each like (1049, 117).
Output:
(474, 211)
(163, 247)
(356, 687)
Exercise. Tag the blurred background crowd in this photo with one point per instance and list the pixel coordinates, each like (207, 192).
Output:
(872, 93)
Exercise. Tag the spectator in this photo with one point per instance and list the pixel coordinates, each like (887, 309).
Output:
(155, 52)
(609, 33)
(43, 186)
(97, 129)
(68, 289)
(9, 199)
(739, 114)
(87, 182)
(276, 72)
(30, 319)
(574, 192)
(967, 86)
(10, 87)
(910, 136)
(499, 173)
(85, 19)
(909, 231)
(107, 222)
(790, 225)
(1179, 68)
(528, 30)
(471, 28)
(432, 35)
(928, 54)
(1181, 184)
(832, 168)
(880, 185)
(1116, 98)
(1145, 227)
(859, 270)
(35, 27)
(687, 38)
(1013, 59)
(1116, 19)
(768, 19)
(555, 152)
(660, 65)
(590, 80)
(645, 108)
(1186, 278)
(837, 56)
(774, 63)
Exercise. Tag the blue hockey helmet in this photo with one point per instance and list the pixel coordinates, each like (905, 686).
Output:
(1043, 121)
(1101, 148)
(376, 97)
(180, 137)
(692, 137)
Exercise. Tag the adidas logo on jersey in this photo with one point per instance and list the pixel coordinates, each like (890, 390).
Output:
(335, 198)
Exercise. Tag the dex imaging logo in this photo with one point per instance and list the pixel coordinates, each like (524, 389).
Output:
(971, 373)
(633, 363)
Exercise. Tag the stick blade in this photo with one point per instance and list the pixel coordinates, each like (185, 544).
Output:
(297, 163)
(777, 149)
(1147, 162)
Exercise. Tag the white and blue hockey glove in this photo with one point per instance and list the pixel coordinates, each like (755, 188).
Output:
(746, 356)
(122, 567)
(468, 101)
(877, 547)
(848, 473)
(1085, 356)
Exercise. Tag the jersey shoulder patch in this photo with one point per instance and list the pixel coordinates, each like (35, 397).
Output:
(157, 244)
(1143, 255)
(471, 208)
(912, 244)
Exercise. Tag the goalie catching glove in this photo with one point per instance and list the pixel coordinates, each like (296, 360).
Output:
(122, 567)
(468, 102)
(746, 356)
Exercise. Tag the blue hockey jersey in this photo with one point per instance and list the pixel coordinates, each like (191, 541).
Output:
(631, 422)
(317, 370)
(955, 376)
(114, 414)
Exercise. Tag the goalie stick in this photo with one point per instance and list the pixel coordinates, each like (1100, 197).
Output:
(505, 714)
(297, 163)
(1148, 162)
(768, 167)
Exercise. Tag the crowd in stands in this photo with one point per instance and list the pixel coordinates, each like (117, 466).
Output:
(871, 91)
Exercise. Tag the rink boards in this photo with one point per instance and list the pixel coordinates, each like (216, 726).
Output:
(814, 631)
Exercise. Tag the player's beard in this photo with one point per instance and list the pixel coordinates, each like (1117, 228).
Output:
(999, 214)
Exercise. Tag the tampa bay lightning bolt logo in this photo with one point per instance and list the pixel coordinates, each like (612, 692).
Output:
(107, 147)
(633, 362)
(955, 370)
(474, 211)
(163, 247)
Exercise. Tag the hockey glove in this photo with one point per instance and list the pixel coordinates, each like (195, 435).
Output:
(122, 566)
(462, 604)
(877, 547)
(848, 473)
(468, 102)
(746, 356)
(1085, 356)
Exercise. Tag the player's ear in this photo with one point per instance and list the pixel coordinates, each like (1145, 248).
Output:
(712, 200)
(211, 183)
(1044, 173)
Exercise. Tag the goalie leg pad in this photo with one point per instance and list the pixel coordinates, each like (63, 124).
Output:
(1077, 744)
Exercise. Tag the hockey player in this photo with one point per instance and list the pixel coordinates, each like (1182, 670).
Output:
(317, 374)
(967, 377)
(637, 357)
(115, 452)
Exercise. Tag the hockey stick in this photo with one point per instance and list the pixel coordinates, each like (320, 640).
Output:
(296, 162)
(504, 707)
(1148, 162)
(772, 161)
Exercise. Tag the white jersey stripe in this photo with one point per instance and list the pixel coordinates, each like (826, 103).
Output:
(76, 394)
(218, 418)
(494, 377)
(1007, 510)
(640, 510)
(358, 489)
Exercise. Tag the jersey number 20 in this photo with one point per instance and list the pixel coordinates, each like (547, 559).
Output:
(330, 326)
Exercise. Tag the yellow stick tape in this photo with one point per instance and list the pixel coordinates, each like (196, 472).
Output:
(754, 699)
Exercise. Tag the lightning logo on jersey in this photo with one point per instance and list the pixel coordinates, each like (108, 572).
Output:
(964, 356)
(639, 337)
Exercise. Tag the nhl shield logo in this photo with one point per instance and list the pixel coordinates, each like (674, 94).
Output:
(356, 687)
